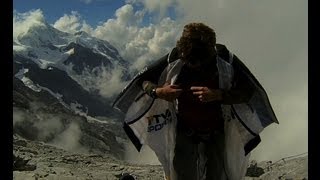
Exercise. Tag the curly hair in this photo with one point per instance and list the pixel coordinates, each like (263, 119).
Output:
(197, 42)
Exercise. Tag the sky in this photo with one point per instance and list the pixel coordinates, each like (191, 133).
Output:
(93, 11)
(270, 37)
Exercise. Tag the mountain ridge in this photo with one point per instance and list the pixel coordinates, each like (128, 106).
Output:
(75, 67)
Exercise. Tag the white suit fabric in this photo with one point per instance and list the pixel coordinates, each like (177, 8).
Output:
(153, 122)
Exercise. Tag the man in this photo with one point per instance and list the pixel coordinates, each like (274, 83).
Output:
(203, 110)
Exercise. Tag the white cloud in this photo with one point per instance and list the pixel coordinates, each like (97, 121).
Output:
(154, 6)
(122, 29)
(271, 38)
(290, 136)
(152, 42)
(18, 116)
(68, 23)
(22, 22)
(110, 83)
(137, 43)
(48, 125)
(41, 125)
(86, 28)
(34, 123)
(145, 156)
(107, 83)
(125, 14)
(70, 139)
(72, 23)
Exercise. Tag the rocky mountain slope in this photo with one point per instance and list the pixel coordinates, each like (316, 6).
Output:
(40, 117)
(75, 68)
(37, 160)
(295, 168)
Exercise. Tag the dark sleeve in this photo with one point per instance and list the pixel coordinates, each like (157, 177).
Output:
(154, 70)
(241, 90)
(149, 79)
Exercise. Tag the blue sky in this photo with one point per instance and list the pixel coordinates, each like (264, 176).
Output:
(93, 12)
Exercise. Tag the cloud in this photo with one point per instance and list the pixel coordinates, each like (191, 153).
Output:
(136, 43)
(145, 156)
(106, 82)
(68, 23)
(120, 30)
(86, 1)
(110, 83)
(150, 43)
(22, 22)
(47, 127)
(72, 23)
(155, 6)
(69, 139)
(86, 27)
(271, 38)
(18, 116)
(36, 124)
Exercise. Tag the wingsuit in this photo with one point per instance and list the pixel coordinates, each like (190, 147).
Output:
(151, 121)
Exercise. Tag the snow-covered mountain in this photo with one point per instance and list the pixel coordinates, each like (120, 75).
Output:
(63, 87)
(83, 72)
(46, 45)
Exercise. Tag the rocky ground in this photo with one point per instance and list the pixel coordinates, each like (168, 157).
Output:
(294, 168)
(36, 160)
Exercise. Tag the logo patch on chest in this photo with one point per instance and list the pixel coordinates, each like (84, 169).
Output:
(158, 121)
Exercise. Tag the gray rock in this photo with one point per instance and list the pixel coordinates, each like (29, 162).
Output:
(61, 164)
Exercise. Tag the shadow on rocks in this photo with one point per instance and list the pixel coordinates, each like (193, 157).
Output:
(20, 164)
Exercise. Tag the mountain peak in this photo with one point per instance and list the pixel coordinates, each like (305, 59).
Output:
(81, 33)
(42, 34)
